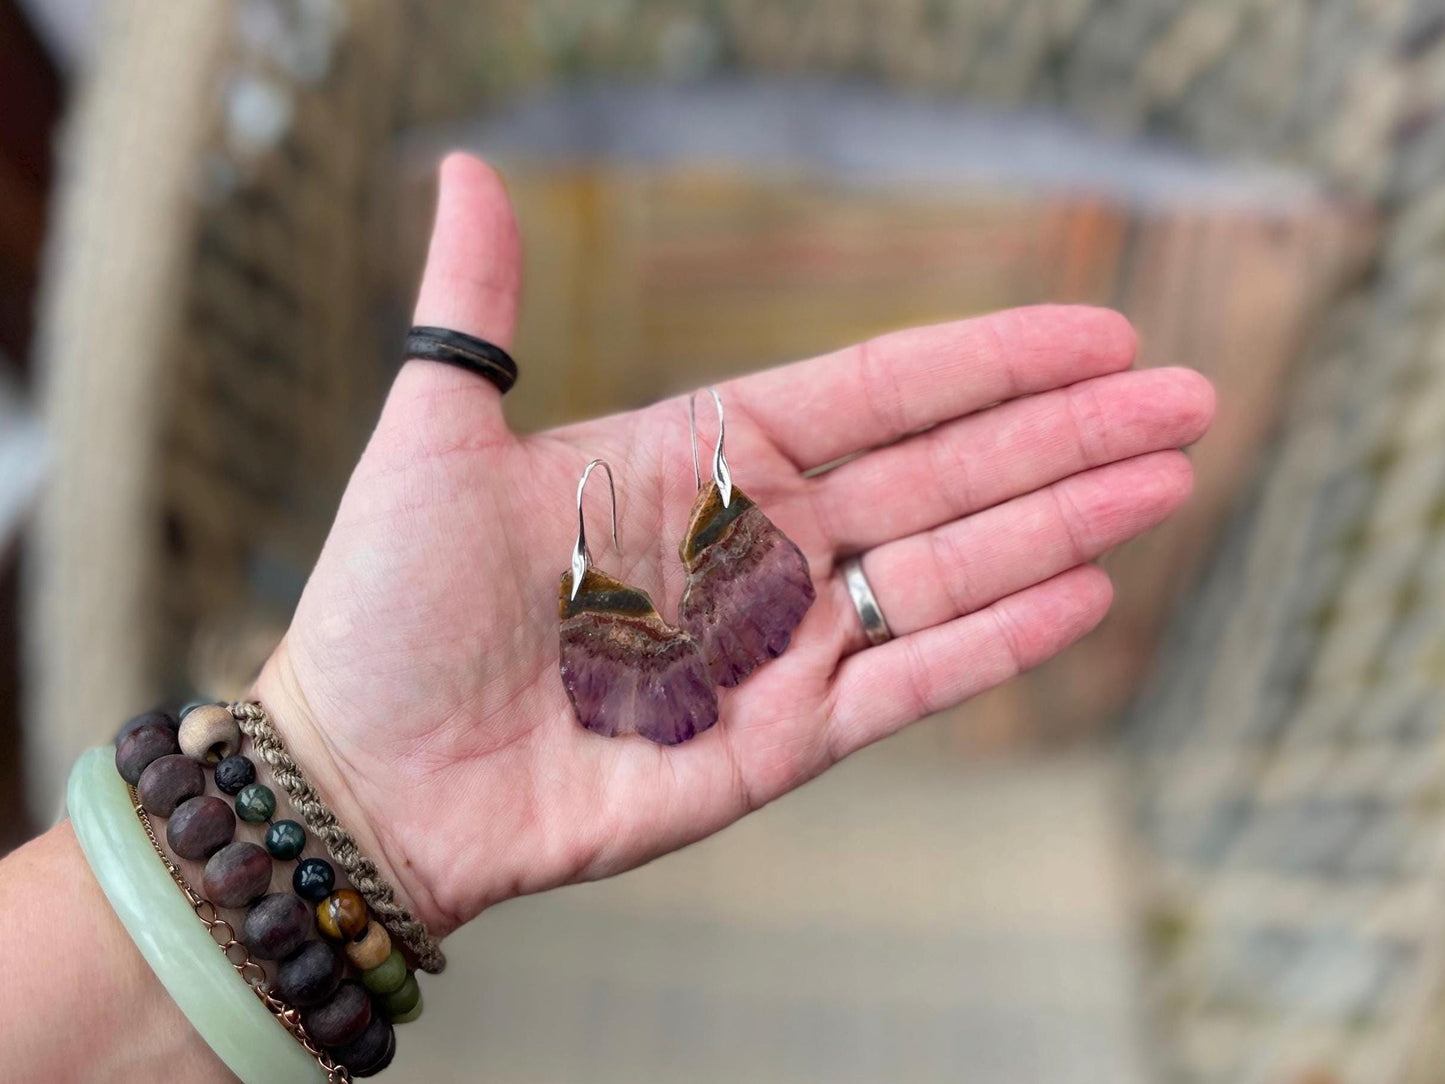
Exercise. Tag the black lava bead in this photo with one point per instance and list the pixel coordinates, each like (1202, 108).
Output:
(314, 879)
(147, 743)
(234, 773)
(371, 1051)
(145, 718)
(311, 976)
(167, 782)
(200, 827)
(276, 926)
(341, 1018)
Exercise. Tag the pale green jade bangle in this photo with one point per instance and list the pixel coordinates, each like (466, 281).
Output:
(218, 1003)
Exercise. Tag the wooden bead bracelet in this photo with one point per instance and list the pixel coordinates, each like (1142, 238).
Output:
(347, 1025)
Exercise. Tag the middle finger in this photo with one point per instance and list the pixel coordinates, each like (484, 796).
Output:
(1006, 451)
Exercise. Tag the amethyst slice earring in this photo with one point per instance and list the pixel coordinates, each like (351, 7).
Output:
(748, 584)
(625, 669)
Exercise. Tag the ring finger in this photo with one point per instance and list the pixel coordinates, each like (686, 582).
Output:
(937, 575)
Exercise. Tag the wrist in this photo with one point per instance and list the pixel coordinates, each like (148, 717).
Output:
(82, 970)
(304, 734)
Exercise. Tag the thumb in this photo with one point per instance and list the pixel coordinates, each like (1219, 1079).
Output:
(472, 284)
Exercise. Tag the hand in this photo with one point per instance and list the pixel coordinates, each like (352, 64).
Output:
(418, 683)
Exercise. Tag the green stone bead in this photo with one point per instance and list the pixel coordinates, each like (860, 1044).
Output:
(285, 840)
(386, 977)
(255, 803)
(410, 1014)
(404, 998)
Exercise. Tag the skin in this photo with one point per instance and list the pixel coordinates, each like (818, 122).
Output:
(418, 682)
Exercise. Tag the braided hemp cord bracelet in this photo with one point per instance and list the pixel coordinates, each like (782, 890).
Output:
(320, 819)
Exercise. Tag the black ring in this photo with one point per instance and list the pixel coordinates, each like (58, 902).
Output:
(467, 352)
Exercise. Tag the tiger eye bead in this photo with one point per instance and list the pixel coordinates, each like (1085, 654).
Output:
(209, 734)
(314, 879)
(403, 999)
(386, 976)
(373, 948)
(237, 874)
(285, 840)
(137, 750)
(255, 803)
(311, 976)
(235, 773)
(341, 1018)
(167, 782)
(342, 916)
(371, 1051)
(276, 926)
(200, 827)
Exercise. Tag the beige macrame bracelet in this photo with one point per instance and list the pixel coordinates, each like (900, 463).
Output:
(321, 821)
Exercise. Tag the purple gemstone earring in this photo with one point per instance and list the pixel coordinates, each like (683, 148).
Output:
(625, 669)
(748, 584)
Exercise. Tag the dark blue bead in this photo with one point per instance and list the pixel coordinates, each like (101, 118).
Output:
(314, 879)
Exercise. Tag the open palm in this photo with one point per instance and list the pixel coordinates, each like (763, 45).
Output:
(418, 682)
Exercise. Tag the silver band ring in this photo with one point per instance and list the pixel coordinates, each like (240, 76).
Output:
(875, 625)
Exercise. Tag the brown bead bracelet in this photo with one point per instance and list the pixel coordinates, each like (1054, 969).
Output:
(237, 954)
(349, 1022)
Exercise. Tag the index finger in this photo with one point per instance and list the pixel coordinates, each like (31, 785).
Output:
(877, 391)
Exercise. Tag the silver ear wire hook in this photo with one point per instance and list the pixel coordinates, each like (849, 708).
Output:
(720, 473)
(580, 557)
